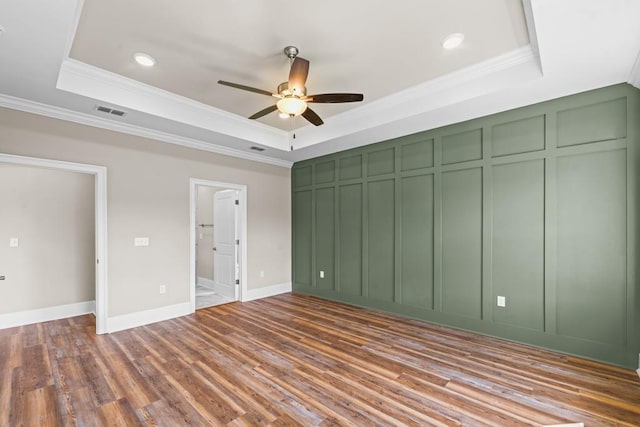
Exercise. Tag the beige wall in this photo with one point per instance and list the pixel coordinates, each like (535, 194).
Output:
(148, 196)
(204, 215)
(51, 213)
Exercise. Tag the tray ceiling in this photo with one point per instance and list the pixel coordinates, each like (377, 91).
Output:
(371, 47)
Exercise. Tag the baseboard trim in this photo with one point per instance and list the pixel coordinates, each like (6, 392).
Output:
(27, 317)
(267, 291)
(140, 318)
(206, 282)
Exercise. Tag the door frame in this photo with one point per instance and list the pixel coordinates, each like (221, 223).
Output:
(100, 221)
(242, 223)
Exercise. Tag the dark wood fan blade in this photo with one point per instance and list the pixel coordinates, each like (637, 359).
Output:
(334, 98)
(264, 112)
(243, 87)
(311, 115)
(298, 75)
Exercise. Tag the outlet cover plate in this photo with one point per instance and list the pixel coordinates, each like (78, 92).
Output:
(502, 301)
(141, 241)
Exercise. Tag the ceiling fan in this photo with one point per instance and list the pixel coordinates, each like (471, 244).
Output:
(292, 95)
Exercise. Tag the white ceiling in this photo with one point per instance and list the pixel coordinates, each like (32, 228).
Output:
(61, 58)
(387, 48)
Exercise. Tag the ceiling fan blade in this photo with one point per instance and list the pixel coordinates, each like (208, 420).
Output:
(247, 88)
(311, 115)
(334, 98)
(298, 75)
(264, 112)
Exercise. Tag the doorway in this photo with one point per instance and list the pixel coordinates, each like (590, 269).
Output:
(100, 220)
(218, 243)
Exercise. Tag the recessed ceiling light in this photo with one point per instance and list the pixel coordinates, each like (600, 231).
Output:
(144, 59)
(452, 41)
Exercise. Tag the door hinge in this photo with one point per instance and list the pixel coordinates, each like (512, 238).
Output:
(238, 242)
(237, 281)
(97, 261)
(237, 202)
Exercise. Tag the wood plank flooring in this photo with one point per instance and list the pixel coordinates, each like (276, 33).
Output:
(298, 360)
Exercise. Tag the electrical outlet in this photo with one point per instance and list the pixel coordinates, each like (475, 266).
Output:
(141, 241)
(163, 289)
(321, 274)
(14, 242)
(502, 301)
(261, 273)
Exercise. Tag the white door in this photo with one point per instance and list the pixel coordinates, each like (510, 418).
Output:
(225, 243)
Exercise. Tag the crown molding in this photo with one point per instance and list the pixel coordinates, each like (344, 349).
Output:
(489, 76)
(93, 82)
(634, 76)
(102, 123)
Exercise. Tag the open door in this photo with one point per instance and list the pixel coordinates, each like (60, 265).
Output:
(225, 243)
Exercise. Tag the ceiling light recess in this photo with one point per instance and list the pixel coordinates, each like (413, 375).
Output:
(144, 59)
(452, 41)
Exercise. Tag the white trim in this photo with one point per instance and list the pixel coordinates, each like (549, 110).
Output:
(34, 107)
(634, 75)
(100, 174)
(243, 259)
(94, 82)
(531, 28)
(27, 317)
(489, 76)
(140, 318)
(267, 291)
(638, 372)
(74, 27)
(205, 282)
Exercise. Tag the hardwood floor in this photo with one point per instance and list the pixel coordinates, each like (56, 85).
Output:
(295, 359)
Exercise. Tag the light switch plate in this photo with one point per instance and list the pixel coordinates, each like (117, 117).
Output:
(163, 289)
(14, 242)
(141, 241)
(502, 301)
(321, 274)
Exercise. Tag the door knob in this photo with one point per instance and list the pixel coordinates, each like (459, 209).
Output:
(214, 248)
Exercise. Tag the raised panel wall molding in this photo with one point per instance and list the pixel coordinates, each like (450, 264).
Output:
(535, 206)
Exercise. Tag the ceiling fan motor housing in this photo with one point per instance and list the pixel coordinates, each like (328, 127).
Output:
(283, 89)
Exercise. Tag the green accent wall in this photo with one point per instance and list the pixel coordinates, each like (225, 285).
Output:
(538, 205)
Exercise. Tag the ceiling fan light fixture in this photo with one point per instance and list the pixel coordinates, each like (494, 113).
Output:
(452, 41)
(283, 115)
(291, 106)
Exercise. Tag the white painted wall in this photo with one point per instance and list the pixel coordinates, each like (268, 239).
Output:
(148, 196)
(51, 212)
